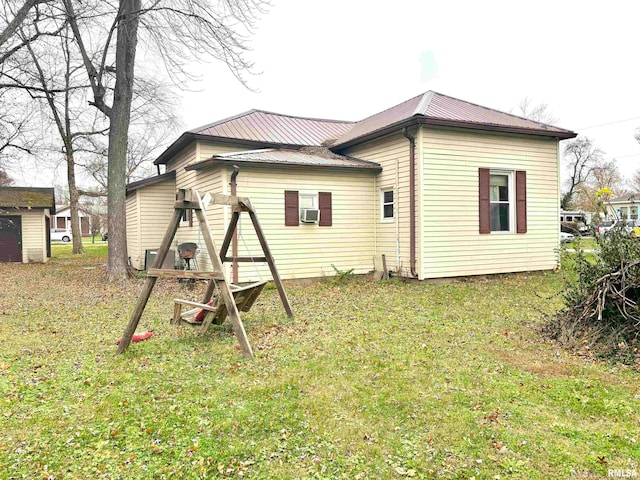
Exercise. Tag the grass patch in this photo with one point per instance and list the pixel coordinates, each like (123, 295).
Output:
(370, 380)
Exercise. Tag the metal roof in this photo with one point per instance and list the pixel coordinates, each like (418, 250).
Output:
(261, 126)
(437, 109)
(304, 157)
(27, 197)
(133, 186)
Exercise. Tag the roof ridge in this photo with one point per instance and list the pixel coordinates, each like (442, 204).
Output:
(224, 120)
(390, 108)
(303, 118)
(257, 110)
(499, 111)
(425, 103)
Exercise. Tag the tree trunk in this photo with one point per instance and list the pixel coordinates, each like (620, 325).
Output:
(120, 115)
(73, 202)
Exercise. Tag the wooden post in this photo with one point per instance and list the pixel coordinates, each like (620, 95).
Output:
(272, 265)
(149, 282)
(225, 292)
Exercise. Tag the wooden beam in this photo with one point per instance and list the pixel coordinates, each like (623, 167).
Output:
(270, 261)
(220, 199)
(186, 206)
(197, 275)
(228, 236)
(149, 282)
(201, 306)
(225, 291)
(245, 259)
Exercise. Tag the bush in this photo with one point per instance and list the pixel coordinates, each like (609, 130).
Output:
(601, 313)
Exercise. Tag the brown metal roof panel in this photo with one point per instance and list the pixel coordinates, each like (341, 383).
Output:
(307, 156)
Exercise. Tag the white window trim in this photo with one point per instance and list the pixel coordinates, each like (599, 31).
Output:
(512, 201)
(312, 195)
(384, 219)
(314, 204)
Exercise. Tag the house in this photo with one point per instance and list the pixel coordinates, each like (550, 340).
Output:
(24, 224)
(624, 206)
(440, 186)
(62, 219)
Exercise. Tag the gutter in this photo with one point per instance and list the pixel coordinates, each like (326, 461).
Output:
(412, 201)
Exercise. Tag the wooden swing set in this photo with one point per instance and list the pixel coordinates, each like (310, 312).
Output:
(231, 299)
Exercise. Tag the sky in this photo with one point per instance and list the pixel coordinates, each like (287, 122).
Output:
(350, 59)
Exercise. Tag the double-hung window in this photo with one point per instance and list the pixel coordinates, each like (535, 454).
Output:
(386, 205)
(501, 201)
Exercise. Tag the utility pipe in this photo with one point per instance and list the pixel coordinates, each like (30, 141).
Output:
(412, 201)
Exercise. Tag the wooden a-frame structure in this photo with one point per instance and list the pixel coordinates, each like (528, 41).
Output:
(191, 200)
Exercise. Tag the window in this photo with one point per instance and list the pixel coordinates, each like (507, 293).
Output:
(308, 200)
(386, 205)
(295, 201)
(624, 212)
(634, 212)
(500, 202)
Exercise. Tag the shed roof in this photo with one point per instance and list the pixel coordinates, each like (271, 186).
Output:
(438, 109)
(27, 197)
(304, 157)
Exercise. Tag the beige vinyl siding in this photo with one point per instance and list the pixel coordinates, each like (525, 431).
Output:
(156, 209)
(34, 240)
(212, 180)
(392, 153)
(133, 230)
(149, 211)
(208, 180)
(307, 250)
(451, 244)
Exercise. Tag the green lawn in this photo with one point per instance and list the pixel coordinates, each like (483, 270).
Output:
(370, 380)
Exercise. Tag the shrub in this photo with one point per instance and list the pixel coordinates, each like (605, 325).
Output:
(601, 313)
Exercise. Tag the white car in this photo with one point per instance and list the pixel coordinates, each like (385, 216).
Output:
(61, 234)
(566, 237)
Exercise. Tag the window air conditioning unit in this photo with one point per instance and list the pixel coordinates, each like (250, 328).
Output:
(309, 215)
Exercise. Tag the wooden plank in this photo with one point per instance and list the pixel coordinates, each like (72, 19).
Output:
(225, 291)
(190, 303)
(186, 206)
(198, 275)
(149, 283)
(245, 259)
(270, 261)
(220, 199)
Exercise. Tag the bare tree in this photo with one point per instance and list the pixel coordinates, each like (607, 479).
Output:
(582, 158)
(605, 175)
(176, 32)
(539, 112)
(5, 179)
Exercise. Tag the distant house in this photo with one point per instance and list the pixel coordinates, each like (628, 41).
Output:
(440, 186)
(625, 206)
(62, 219)
(24, 224)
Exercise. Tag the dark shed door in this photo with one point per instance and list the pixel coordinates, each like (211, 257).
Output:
(10, 238)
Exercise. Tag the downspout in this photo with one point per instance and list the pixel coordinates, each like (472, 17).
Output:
(412, 201)
(234, 241)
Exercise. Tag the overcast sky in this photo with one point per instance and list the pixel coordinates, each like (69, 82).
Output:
(349, 59)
